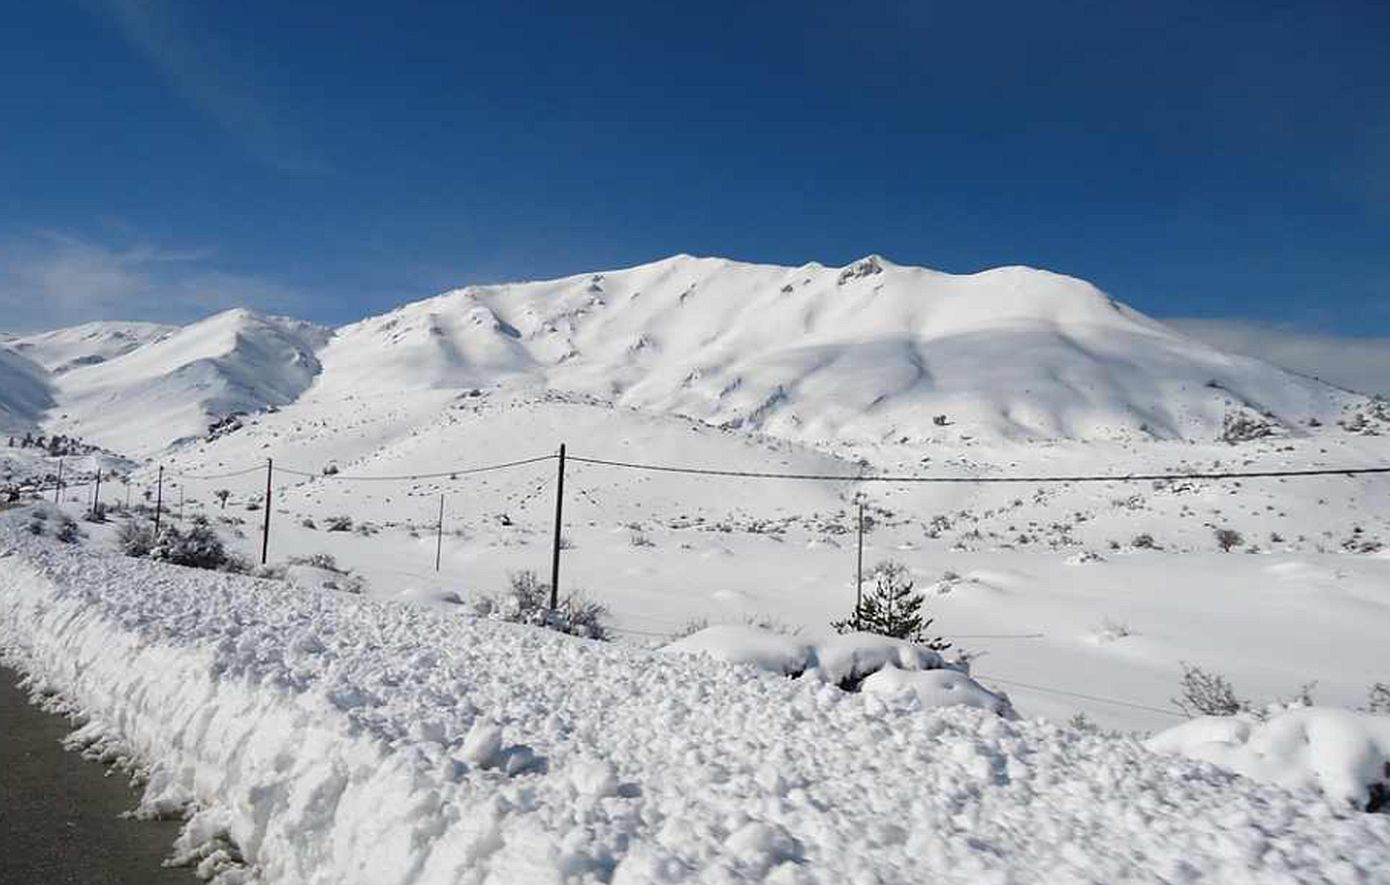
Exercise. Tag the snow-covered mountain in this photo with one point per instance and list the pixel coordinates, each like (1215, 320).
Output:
(866, 353)
(177, 383)
(24, 392)
(62, 350)
(859, 355)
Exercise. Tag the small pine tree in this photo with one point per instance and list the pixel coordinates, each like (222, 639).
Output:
(892, 609)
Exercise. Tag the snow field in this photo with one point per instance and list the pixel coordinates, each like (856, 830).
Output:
(343, 739)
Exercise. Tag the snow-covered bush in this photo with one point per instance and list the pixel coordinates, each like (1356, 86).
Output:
(528, 602)
(1378, 700)
(1343, 753)
(322, 570)
(1243, 427)
(135, 538)
(891, 608)
(199, 547)
(1110, 630)
(66, 530)
(851, 661)
(338, 523)
(1207, 694)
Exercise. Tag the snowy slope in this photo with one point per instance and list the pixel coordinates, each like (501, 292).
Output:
(24, 392)
(172, 387)
(339, 740)
(867, 353)
(62, 350)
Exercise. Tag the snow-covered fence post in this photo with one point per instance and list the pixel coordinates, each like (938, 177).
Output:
(96, 497)
(555, 553)
(58, 486)
(265, 525)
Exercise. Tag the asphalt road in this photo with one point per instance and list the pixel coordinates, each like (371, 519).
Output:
(60, 818)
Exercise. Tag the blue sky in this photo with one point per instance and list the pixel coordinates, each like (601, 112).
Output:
(163, 160)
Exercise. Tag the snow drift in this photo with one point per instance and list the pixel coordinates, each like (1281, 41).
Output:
(339, 739)
(1343, 753)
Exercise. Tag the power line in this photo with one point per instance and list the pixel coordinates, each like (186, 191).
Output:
(1077, 694)
(460, 471)
(210, 476)
(920, 478)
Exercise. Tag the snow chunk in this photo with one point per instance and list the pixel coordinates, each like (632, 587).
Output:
(592, 777)
(938, 688)
(738, 644)
(1343, 753)
(848, 658)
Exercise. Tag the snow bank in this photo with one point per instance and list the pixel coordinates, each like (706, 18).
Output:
(339, 739)
(838, 659)
(738, 644)
(1343, 753)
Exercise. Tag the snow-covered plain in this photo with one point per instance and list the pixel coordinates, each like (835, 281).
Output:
(339, 739)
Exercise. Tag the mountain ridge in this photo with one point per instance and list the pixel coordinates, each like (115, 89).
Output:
(869, 352)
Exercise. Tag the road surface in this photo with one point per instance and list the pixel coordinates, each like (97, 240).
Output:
(60, 818)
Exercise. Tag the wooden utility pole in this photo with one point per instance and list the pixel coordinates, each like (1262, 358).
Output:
(559, 513)
(265, 527)
(158, 499)
(96, 497)
(58, 486)
(859, 569)
(439, 535)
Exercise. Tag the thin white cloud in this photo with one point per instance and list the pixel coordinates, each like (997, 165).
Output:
(1360, 364)
(155, 30)
(52, 279)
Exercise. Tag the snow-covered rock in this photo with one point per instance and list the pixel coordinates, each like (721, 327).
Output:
(1343, 753)
(937, 688)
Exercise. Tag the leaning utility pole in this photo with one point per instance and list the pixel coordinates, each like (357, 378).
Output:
(265, 527)
(555, 553)
(439, 534)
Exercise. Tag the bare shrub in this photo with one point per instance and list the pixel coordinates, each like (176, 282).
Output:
(1207, 694)
(338, 523)
(1378, 699)
(1228, 539)
(528, 602)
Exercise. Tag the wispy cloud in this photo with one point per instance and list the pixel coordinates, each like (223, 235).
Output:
(1360, 364)
(50, 279)
(155, 30)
